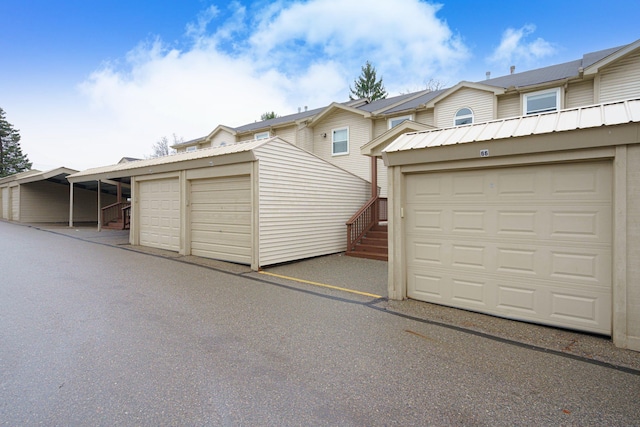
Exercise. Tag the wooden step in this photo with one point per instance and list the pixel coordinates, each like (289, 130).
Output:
(114, 225)
(374, 244)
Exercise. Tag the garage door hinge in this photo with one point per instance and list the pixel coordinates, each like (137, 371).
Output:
(401, 212)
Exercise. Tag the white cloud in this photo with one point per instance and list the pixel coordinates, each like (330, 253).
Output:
(515, 50)
(284, 56)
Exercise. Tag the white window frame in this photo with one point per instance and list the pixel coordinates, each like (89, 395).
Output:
(262, 135)
(463, 117)
(333, 142)
(191, 148)
(526, 96)
(398, 120)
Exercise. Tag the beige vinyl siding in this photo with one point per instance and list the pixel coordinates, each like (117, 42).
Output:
(15, 203)
(222, 136)
(380, 126)
(621, 80)
(46, 201)
(382, 178)
(304, 204)
(425, 117)
(288, 133)
(481, 102)
(579, 94)
(509, 106)
(359, 134)
(304, 137)
(5, 203)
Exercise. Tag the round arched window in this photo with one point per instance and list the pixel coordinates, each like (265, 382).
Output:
(464, 116)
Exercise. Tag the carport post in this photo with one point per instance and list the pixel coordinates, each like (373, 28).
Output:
(99, 207)
(71, 205)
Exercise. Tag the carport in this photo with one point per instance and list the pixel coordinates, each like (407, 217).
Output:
(42, 197)
(531, 218)
(259, 202)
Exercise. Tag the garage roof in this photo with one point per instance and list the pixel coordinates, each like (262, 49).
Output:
(613, 113)
(232, 153)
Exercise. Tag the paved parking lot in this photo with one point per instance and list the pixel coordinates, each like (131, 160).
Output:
(370, 276)
(97, 332)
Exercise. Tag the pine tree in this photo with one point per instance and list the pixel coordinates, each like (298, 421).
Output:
(11, 158)
(367, 85)
(268, 116)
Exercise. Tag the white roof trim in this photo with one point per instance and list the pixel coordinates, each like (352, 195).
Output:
(613, 113)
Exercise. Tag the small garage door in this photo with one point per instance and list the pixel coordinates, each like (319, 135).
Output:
(221, 218)
(160, 214)
(15, 203)
(530, 243)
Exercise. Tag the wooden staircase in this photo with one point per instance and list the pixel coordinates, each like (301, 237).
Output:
(373, 245)
(116, 216)
(116, 224)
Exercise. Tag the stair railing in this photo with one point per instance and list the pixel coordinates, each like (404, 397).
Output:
(114, 212)
(374, 211)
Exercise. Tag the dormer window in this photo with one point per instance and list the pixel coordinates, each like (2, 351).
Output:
(395, 121)
(192, 148)
(261, 135)
(464, 116)
(541, 101)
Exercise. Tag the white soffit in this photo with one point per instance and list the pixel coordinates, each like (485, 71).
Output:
(613, 113)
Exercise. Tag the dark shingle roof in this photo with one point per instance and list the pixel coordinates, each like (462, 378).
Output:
(278, 120)
(414, 100)
(550, 73)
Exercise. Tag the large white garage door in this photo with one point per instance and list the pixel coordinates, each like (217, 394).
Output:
(221, 218)
(160, 214)
(530, 243)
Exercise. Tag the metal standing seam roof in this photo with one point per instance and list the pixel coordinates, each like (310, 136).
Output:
(237, 147)
(593, 116)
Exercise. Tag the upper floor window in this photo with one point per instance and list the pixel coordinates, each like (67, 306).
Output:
(262, 135)
(464, 116)
(192, 148)
(395, 121)
(340, 141)
(541, 101)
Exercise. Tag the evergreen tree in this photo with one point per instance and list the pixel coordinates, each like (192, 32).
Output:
(268, 116)
(367, 85)
(11, 158)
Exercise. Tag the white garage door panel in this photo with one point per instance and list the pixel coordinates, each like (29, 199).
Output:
(160, 214)
(221, 218)
(15, 203)
(531, 243)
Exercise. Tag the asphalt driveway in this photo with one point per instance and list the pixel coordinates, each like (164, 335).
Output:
(95, 332)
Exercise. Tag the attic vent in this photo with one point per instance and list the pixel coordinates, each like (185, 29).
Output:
(513, 69)
(488, 75)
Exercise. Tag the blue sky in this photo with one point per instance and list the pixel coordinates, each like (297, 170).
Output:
(90, 81)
